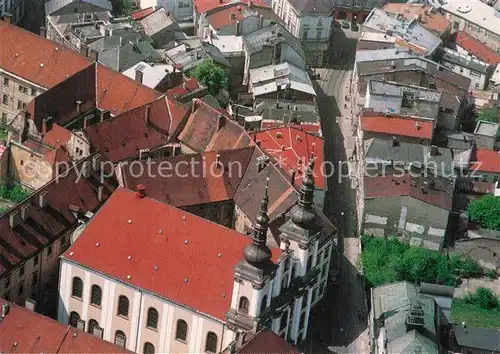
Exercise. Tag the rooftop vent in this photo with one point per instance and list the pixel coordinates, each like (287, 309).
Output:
(141, 190)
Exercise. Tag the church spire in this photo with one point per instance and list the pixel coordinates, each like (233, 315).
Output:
(258, 252)
(307, 188)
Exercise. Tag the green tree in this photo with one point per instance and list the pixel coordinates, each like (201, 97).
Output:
(489, 115)
(211, 75)
(470, 268)
(18, 194)
(486, 212)
(484, 298)
(491, 273)
(121, 7)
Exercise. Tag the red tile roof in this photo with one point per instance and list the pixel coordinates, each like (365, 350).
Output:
(266, 342)
(190, 185)
(188, 86)
(194, 257)
(230, 14)
(37, 59)
(397, 126)
(207, 129)
(486, 160)
(476, 48)
(140, 14)
(433, 21)
(45, 225)
(122, 137)
(287, 145)
(57, 136)
(24, 331)
(118, 93)
(391, 186)
(203, 6)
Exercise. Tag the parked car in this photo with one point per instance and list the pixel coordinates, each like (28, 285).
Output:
(345, 24)
(354, 27)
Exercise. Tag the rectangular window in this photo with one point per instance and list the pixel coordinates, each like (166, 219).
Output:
(49, 250)
(21, 104)
(35, 260)
(477, 85)
(20, 289)
(6, 81)
(33, 92)
(318, 34)
(6, 282)
(21, 270)
(35, 279)
(304, 34)
(5, 99)
(23, 89)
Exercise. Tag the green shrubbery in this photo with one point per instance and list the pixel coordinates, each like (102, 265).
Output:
(16, 194)
(210, 75)
(387, 260)
(486, 212)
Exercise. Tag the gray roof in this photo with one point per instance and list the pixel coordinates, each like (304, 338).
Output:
(382, 151)
(52, 6)
(108, 42)
(382, 54)
(268, 103)
(411, 343)
(487, 339)
(122, 58)
(466, 61)
(312, 6)
(410, 31)
(255, 41)
(487, 128)
(287, 115)
(157, 21)
(392, 304)
(190, 57)
(458, 139)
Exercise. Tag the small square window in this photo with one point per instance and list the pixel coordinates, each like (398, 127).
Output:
(22, 162)
(5, 99)
(33, 92)
(21, 270)
(6, 81)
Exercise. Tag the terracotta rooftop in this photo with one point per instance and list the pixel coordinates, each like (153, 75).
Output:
(139, 15)
(57, 136)
(25, 331)
(429, 18)
(227, 15)
(193, 183)
(37, 59)
(486, 160)
(207, 129)
(169, 252)
(394, 125)
(391, 186)
(266, 342)
(188, 86)
(122, 137)
(477, 49)
(287, 145)
(44, 225)
(203, 6)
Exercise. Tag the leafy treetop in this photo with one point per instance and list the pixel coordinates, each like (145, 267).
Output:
(486, 212)
(211, 75)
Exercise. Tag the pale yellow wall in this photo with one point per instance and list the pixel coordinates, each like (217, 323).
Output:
(29, 168)
(12, 90)
(175, 345)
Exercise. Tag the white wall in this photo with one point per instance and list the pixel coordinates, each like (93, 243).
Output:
(478, 80)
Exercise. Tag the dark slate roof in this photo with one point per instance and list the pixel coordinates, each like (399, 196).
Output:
(267, 342)
(480, 338)
(121, 58)
(254, 41)
(313, 6)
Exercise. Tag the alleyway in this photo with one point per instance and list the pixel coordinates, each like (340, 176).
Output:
(341, 326)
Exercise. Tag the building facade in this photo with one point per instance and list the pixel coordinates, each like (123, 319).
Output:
(273, 287)
(311, 22)
(476, 70)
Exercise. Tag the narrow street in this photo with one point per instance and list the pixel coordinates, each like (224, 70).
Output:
(341, 325)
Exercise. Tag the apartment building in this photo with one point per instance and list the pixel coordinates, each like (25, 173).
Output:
(164, 280)
(479, 72)
(311, 21)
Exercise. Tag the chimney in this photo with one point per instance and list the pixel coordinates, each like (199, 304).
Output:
(14, 219)
(86, 169)
(237, 28)
(43, 31)
(42, 199)
(5, 310)
(292, 176)
(146, 113)
(24, 211)
(100, 195)
(30, 304)
(279, 135)
(93, 55)
(83, 49)
(138, 76)
(78, 106)
(433, 151)
(417, 126)
(7, 17)
(141, 190)
(221, 121)
(96, 162)
(261, 21)
(395, 142)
